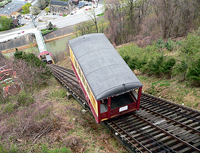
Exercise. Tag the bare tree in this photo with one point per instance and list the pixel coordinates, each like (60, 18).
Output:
(92, 16)
(102, 25)
(114, 18)
(176, 17)
(41, 4)
(125, 17)
(35, 10)
(151, 18)
(84, 28)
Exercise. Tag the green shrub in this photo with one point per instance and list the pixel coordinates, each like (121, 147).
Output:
(155, 65)
(159, 65)
(194, 72)
(151, 48)
(24, 99)
(169, 44)
(126, 59)
(179, 43)
(181, 69)
(133, 63)
(30, 58)
(138, 62)
(160, 44)
(135, 56)
(168, 65)
(9, 108)
(142, 62)
(5, 23)
(191, 44)
(131, 51)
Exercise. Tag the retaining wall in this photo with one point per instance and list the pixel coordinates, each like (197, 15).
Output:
(29, 40)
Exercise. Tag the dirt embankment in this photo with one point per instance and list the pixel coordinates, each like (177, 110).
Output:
(29, 40)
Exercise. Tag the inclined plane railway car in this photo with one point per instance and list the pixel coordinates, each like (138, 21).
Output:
(110, 87)
(46, 57)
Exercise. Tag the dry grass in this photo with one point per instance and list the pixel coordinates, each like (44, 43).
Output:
(65, 61)
(171, 90)
(52, 124)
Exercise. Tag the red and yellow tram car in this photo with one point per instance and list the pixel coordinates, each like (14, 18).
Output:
(46, 57)
(109, 85)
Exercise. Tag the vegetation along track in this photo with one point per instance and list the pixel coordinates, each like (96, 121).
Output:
(159, 125)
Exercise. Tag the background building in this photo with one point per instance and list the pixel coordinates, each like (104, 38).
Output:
(61, 7)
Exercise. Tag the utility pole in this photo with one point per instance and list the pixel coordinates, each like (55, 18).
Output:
(96, 2)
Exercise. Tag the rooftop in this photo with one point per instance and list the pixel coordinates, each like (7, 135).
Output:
(61, 3)
(104, 69)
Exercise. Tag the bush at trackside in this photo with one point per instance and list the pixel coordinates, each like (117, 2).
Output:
(180, 70)
(30, 58)
(152, 61)
(194, 72)
(191, 45)
(32, 71)
(159, 66)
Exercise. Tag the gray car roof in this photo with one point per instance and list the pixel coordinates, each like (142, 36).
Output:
(48, 57)
(104, 69)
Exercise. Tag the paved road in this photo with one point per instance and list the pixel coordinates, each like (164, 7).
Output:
(60, 22)
(78, 17)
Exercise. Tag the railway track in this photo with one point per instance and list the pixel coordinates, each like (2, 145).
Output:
(159, 125)
(68, 80)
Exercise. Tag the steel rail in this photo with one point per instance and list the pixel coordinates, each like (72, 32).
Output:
(170, 119)
(70, 86)
(69, 71)
(158, 102)
(73, 78)
(191, 146)
(173, 111)
(118, 130)
(170, 103)
(68, 79)
(155, 142)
